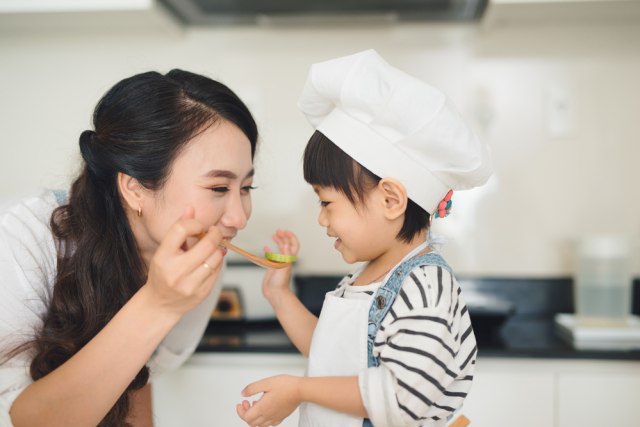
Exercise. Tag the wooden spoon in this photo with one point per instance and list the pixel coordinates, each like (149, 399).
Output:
(262, 262)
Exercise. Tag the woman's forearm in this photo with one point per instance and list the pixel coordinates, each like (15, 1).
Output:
(82, 390)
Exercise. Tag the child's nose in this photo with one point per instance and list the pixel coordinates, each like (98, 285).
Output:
(322, 218)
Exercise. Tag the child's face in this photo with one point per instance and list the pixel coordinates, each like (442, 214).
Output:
(362, 233)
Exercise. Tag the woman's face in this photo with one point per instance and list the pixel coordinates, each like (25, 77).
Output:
(213, 174)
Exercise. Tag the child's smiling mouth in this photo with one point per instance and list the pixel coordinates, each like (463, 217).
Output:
(337, 243)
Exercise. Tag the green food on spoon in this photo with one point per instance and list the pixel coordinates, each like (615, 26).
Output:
(272, 256)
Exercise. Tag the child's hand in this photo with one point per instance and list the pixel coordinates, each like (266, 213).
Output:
(277, 281)
(279, 399)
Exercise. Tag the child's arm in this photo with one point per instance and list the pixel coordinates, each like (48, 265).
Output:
(283, 394)
(297, 322)
(426, 350)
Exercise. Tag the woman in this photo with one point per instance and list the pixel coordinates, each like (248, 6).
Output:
(106, 285)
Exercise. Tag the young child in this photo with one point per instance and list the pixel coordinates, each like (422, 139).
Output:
(393, 345)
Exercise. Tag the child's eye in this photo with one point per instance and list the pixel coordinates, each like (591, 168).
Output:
(324, 204)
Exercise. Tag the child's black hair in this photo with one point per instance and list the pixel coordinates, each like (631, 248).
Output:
(326, 165)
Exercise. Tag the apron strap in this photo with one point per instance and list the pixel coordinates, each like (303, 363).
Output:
(60, 195)
(387, 293)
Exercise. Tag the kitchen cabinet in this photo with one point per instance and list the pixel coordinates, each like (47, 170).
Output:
(554, 393)
(600, 395)
(507, 392)
(205, 391)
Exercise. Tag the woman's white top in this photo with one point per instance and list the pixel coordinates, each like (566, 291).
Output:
(28, 262)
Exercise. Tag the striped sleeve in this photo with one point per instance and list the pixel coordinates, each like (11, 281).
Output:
(427, 352)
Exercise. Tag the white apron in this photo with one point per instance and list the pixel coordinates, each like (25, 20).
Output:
(339, 348)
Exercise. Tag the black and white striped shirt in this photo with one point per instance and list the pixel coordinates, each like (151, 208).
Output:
(426, 347)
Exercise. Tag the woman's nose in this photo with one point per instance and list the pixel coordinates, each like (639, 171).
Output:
(236, 213)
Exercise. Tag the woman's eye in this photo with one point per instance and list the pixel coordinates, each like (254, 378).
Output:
(220, 189)
(248, 188)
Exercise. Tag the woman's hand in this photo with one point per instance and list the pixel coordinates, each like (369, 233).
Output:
(277, 281)
(280, 397)
(182, 276)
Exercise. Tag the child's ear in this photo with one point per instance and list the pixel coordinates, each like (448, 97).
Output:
(132, 192)
(395, 197)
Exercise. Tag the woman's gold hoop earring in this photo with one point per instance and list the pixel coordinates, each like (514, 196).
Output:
(139, 211)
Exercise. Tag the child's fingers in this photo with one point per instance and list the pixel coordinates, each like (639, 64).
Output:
(291, 242)
(286, 241)
(240, 410)
(289, 238)
(254, 417)
(253, 388)
(282, 237)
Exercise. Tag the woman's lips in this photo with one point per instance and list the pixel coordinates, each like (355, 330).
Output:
(223, 249)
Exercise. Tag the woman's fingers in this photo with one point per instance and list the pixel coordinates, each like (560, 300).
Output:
(180, 275)
(177, 235)
(208, 269)
(204, 251)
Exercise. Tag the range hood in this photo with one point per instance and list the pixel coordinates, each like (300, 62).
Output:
(208, 12)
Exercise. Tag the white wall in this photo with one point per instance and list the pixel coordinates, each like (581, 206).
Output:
(555, 179)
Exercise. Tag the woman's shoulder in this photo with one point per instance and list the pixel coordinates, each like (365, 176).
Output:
(28, 260)
(33, 207)
(27, 219)
(26, 242)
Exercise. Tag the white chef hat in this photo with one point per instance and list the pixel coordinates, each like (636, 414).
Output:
(394, 125)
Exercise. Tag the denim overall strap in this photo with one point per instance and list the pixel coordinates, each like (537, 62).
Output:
(386, 295)
(60, 195)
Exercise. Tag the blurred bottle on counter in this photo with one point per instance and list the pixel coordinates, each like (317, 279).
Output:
(602, 281)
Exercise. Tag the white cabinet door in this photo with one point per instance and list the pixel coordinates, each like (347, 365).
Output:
(511, 393)
(600, 395)
(204, 392)
(505, 392)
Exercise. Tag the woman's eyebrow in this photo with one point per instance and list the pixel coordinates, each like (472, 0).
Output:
(222, 173)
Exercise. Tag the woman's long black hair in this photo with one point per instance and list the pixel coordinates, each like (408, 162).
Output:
(141, 124)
